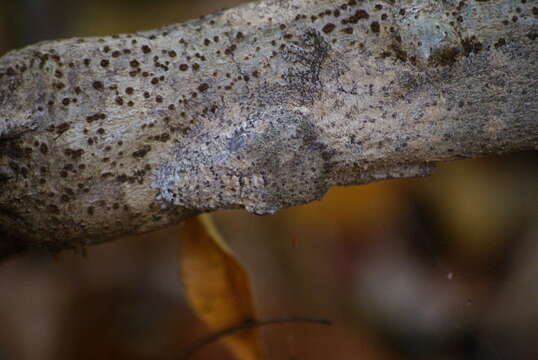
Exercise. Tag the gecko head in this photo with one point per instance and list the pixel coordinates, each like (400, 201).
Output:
(271, 161)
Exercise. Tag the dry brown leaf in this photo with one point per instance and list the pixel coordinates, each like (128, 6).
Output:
(217, 285)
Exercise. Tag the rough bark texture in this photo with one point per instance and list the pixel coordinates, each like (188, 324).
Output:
(260, 107)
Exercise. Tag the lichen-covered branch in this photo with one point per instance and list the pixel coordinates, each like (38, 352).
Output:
(260, 107)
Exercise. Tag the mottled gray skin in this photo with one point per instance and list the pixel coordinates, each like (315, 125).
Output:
(260, 107)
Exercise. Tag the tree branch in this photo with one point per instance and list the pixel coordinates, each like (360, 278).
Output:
(260, 107)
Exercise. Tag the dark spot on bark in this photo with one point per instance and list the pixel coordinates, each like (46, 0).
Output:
(74, 154)
(142, 152)
(146, 49)
(385, 54)
(97, 85)
(229, 50)
(359, 15)
(203, 87)
(63, 127)
(328, 28)
(499, 43)
(44, 149)
(119, 100)
(66, 101)
(374, 26)
(164, 137)
(121, 178)
(90, 210)
(105, 63)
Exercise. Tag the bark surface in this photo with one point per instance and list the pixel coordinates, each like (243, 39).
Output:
(261, 107)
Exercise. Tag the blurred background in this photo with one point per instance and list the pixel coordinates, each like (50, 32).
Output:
(436, 268)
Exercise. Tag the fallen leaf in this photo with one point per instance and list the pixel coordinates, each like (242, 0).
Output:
(217, 285)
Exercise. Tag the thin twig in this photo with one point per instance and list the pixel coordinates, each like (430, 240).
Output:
(246, 324)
